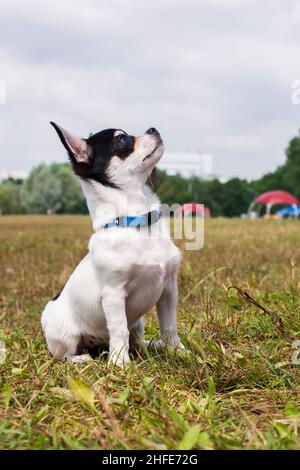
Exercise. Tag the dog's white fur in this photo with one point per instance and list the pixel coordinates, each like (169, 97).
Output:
(125, 273)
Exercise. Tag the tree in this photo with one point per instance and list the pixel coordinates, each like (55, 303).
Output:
(14, 181)
(10, 198)
(173, 190)
(286, 176)
(72, 197)
(42, 191)
(237, 197)
(291, 171)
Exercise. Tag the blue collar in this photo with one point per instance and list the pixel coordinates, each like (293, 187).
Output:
(137, 221)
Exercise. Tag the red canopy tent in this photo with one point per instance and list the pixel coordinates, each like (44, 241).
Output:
(276, 197)
(193, 208)
(270, 198)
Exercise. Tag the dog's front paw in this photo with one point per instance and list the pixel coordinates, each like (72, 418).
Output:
(180, 346)
(120, 359)
(159, 344)
(79, 359)
(151, 344)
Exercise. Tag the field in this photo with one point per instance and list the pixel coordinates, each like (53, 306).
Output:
(238, 388)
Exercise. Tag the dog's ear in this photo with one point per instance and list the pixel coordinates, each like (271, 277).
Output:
(77, 148)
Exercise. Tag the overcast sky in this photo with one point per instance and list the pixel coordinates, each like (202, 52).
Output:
(211, 75)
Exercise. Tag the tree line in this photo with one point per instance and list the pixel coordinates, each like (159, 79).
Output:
(55, 189)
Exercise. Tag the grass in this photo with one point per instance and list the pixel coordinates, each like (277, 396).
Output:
(237, 389)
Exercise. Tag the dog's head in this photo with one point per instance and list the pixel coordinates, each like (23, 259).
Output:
(112, 157)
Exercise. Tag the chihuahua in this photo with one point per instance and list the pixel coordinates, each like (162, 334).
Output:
(132, 263)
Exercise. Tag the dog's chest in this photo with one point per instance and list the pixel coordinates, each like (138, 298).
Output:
(139, 267)
(146, 275)
(147, 279)
(154, 263)
(144, 289)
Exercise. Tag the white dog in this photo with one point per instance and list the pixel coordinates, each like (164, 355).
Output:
(132, 262)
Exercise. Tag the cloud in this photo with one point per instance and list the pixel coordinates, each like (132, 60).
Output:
(212, 75)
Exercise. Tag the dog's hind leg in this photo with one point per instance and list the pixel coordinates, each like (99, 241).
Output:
(66, 348)
(63, 339)
(166, 313)
(136, 337)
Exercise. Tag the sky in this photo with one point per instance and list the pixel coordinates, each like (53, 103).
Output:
(213, 76)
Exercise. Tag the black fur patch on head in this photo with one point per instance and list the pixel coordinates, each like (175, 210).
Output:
(103, 146)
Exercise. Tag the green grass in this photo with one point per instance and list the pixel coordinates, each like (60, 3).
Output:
(237, 389)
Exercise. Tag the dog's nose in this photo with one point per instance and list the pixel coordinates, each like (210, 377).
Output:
(152, 131)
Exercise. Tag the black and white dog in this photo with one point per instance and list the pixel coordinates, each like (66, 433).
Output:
(132, 262)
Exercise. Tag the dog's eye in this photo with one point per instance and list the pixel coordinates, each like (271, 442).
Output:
(123, 139)
(123, 145)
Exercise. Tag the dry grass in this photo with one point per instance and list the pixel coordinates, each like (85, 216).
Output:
(237, 388)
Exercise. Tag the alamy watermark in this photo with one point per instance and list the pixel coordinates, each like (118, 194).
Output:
(2, 92)
(295, 96)
(185, 225)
